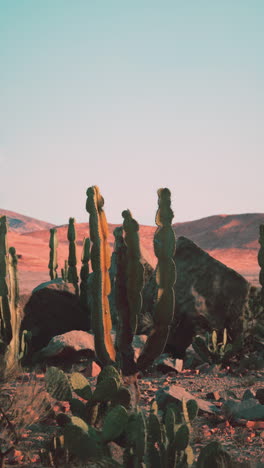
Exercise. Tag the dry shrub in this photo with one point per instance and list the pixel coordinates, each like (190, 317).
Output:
(22, 404)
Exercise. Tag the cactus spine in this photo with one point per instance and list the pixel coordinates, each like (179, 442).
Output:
(53, 262)
(101, 286)
(164, 247)
(261, 259)
(72, 260)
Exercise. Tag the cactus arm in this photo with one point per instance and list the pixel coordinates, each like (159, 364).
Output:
(164, 247)
(53, 245)
(100, 259)
(72, 260)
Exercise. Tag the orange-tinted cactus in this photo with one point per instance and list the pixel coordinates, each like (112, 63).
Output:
(101, 286)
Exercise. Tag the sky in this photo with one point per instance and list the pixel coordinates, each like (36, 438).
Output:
(131, 96)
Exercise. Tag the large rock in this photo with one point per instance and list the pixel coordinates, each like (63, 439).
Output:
(77, 343)
(52, 309)
(70, 344)
(208, 295)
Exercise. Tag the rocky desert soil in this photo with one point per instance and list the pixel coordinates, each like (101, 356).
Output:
(243, 439)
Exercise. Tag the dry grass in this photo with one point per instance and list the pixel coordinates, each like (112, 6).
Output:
(21, 406)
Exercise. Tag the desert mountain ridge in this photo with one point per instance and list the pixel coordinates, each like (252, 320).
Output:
(21, 223)
(231, 239)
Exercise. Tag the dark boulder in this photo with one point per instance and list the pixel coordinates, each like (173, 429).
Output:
(208, 295)
(52, 309)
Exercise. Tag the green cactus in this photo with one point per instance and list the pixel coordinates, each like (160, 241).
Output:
(84, 275)
(164, 247)
(212, 350)
(57, 384)
(24, 345)
(115, 423)
(9, 298)
(72, 260)
(81, 386)
(214, 455)
(129, 285)
(5, 312)
(100, 258)
(53, 262)
(65, 271)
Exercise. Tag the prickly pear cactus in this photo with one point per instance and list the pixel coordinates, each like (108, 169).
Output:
(53, 261)
(72, 260)
(164, 247)
(101, 286)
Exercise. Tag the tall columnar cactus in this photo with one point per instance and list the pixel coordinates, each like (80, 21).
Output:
(5, 313)
(84, 274)
(72, 260)
(261, 258)
(9, 297)
(164, 247)
(129, 285)
(129, 282)
(53, 262)
(100, 258)
(13, 349)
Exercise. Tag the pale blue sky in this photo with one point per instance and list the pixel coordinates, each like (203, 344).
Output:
(131, 96)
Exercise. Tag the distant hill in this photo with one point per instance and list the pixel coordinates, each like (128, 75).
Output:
(223, 231)
(21, 224)
(231, 239)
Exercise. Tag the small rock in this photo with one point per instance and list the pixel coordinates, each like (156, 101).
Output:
(166, 364)
(246, 409)
(174, 393)
(92, 369)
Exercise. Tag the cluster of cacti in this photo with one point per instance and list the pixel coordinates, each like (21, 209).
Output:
(129, 282)
(161, 443)
(9, 297)
(105, 417)
(213, 351)
(261, 259)
(53, 261)
(108, 403)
